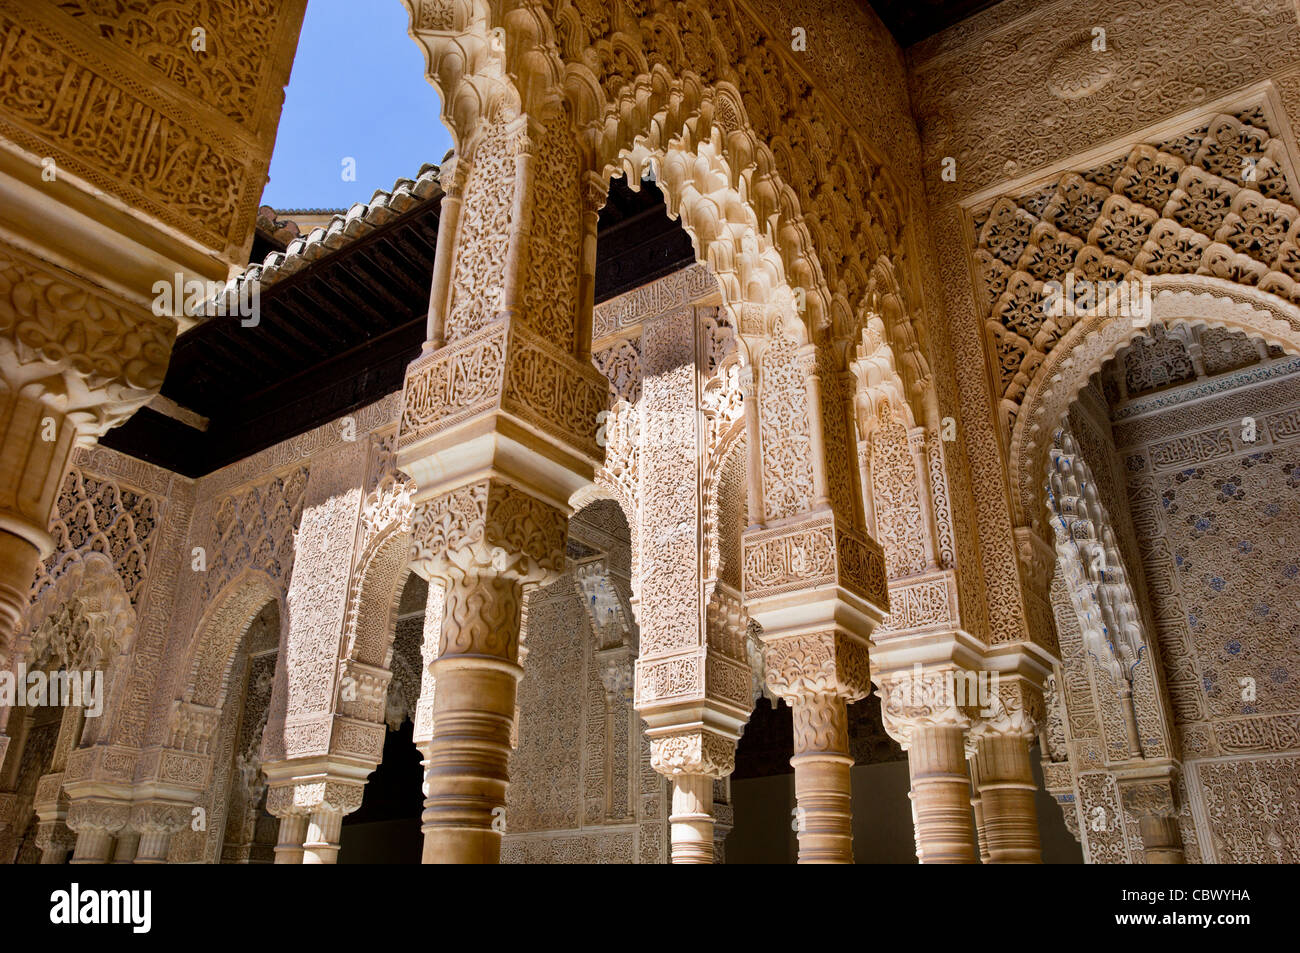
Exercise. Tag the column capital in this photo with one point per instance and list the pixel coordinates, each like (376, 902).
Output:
(451, 177)
(747, 377)
(98, 814)
(832, 662)
(160, 817)
(304, 796)
(933, 696)
(595, 190)
(55, 835)
(1015, 709)
(697, 752)
(807, 355)
(490, 526)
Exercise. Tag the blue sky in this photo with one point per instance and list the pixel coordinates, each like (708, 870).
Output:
(357, 91)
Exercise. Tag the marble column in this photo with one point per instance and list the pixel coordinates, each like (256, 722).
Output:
(921, 710)
(818, 675)
(1007, 791)
(97, 823)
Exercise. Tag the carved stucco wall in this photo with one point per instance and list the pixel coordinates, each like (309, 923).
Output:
(134, 515)
(1022, 59)
(1213, 523)
(1216, 518)
(1014, 93)
(119, 96)
(581, 786)
(147, 524)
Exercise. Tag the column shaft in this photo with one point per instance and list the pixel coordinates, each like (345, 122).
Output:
(94, 846)
(978, 806)
(941, 795)
(464, 810)
(692, 819)
(1007, 792)
(293, 831)
(153, 847)
(321, 843)
(824, 815)
(128, 842)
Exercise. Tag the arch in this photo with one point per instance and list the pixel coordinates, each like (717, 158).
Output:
(1099, 592)
(219, 633)
(726, 507)
(90, 580)
(1089, 558)
(240, 829)
(380, 572)
(1094, 340)
(372, 606)
(639, 105)
(82, 621)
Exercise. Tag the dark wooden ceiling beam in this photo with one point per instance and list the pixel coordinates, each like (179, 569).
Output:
(316, 294)
(376, 281)
(356, 302)
(382, 257)
(275, 322)
(310, 318)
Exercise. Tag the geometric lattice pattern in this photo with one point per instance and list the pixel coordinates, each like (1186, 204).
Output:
(94, 516)
(1213, 201)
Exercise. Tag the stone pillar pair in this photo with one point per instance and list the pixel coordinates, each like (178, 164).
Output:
(944, 718)
(311, 811)
(123, 824)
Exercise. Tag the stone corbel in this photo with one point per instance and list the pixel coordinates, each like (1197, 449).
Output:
(55, 841)
(362, 690)
(610, 613)
(617, 668)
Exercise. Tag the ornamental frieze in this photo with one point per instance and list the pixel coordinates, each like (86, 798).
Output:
(810, 555)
